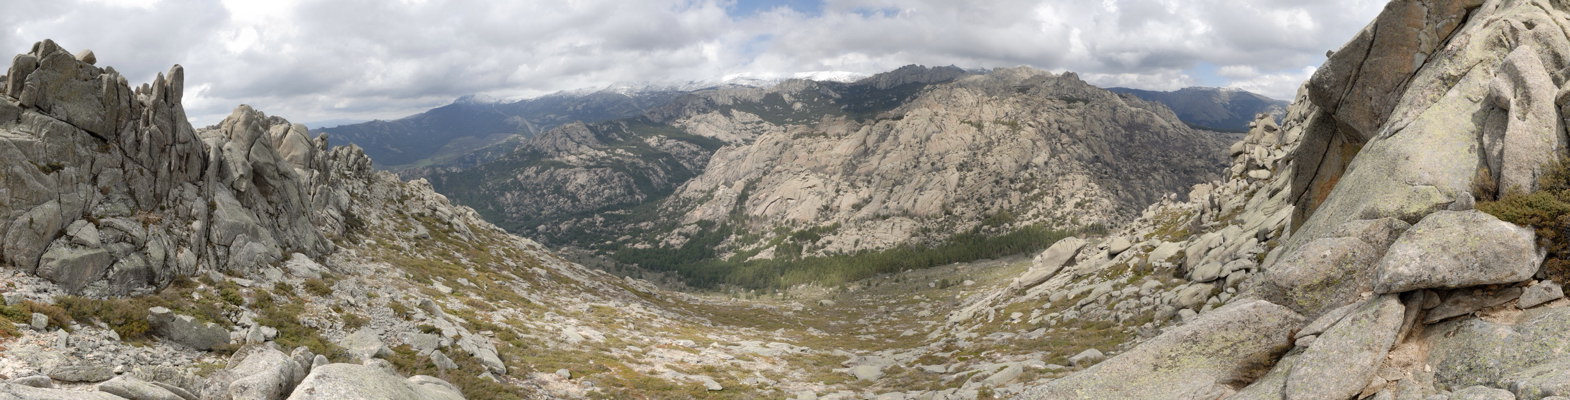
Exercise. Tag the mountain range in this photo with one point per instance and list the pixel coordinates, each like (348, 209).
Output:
(1217, 109)
(926, 233)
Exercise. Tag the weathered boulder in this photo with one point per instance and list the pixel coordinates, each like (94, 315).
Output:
(186, 330)
(1087, 358)
(73, 267)
(1463, 302)
(1118, 245)
(10, 391)
(866, 372)
(1193, 296)
(1343, 359)
(136, 389)
(350, 381)
(256, 372)
(1235, 343)
(1472, 351)
(83, 371)
(1454, 249)
(364, 344)
(483, 351)
(1049, 262)
(1322, 274)
(1549, 379)
(1482, 393)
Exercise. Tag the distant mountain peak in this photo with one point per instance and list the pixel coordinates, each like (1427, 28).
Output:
(1222, 109)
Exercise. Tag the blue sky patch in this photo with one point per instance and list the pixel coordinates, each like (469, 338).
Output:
(748, 8)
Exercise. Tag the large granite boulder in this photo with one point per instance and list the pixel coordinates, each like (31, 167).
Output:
(350, 382)
(184, 329)
(1200, 359)
(1455, 249)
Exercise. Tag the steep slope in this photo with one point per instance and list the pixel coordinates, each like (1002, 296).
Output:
(1227, 110)
(451, 133)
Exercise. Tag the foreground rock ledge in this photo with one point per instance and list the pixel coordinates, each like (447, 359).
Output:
(1208, 358)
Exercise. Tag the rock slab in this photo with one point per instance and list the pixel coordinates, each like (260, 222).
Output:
(1456, 249)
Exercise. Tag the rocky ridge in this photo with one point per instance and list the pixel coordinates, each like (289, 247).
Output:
(1016, 147)
(469, 131)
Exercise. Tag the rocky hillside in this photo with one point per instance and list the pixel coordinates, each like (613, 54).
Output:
(562, 185)
(1364, 254)
(914, 156)
(469, 131)
(996, 153)
(1219, 109)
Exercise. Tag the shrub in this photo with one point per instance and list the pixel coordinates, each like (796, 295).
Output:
(126, 318)
(291, 333)
(231, 295)
(1547, 211)
(318, 287)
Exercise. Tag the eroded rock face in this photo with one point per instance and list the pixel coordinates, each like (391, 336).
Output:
(112, 192)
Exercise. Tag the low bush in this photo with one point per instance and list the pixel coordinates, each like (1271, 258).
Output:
(1547, 211)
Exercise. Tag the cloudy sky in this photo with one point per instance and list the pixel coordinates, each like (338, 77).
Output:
(323, 60)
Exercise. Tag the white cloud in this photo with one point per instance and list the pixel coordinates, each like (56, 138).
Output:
(328, 59)
(1281, 85)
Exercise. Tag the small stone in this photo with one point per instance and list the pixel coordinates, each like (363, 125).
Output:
(364, 344)
(87, 56)
(867, 372)
(1005, 376)
(446, 364)
(1117, 246)
(40, 321)
(1087, 358)
(564, 373)
(710, 384)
